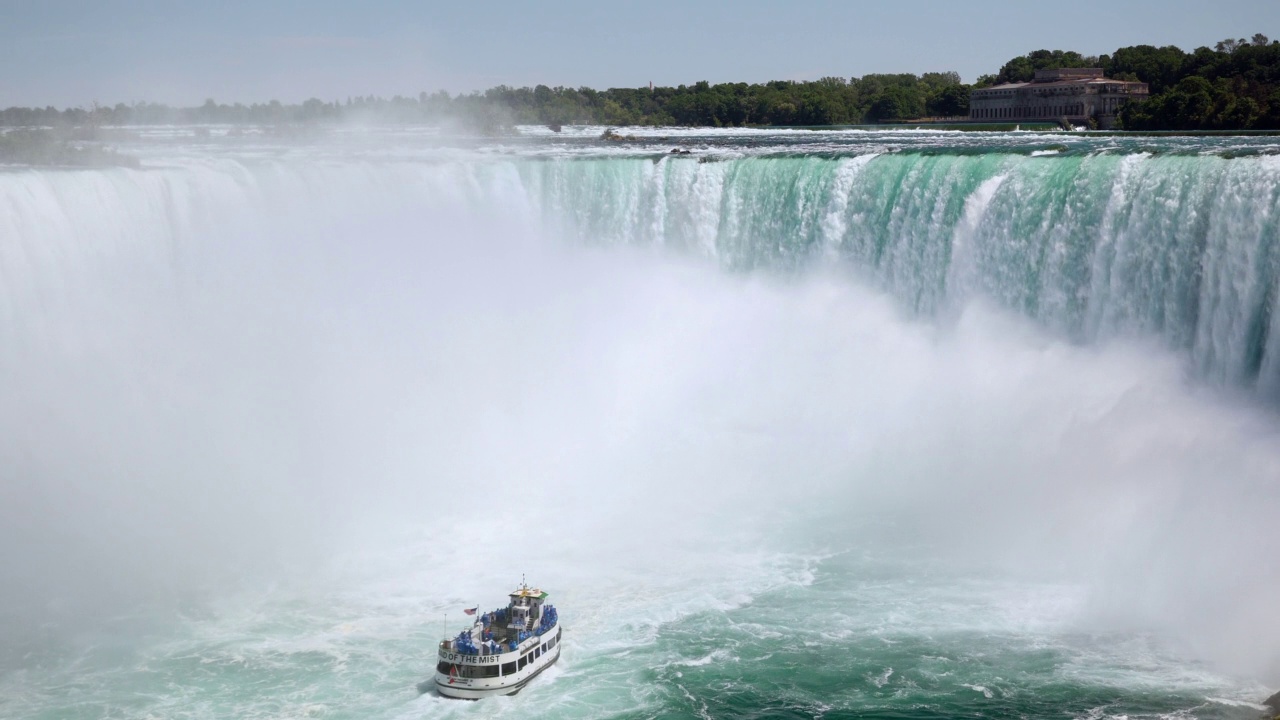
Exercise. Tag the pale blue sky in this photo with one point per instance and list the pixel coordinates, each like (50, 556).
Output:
(65, 52)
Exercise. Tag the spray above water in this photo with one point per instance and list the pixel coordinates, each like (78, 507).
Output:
(361, 380)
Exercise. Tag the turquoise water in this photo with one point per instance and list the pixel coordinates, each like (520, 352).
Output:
(803, 424)
(1093, 245)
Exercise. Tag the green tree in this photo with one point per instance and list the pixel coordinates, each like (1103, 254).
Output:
(950, 101)
(895, 103)
(1160, 68)
(1023, 68)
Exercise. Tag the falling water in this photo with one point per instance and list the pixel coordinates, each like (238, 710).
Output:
(803, 424)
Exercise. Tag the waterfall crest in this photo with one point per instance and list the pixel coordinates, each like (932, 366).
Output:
(1092, 245)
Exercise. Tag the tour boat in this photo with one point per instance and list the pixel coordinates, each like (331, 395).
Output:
(502, 651)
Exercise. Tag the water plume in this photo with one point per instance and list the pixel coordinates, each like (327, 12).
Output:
(358, 379)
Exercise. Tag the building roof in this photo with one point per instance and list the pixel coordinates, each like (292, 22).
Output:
(1050, 74)
(1060, 83)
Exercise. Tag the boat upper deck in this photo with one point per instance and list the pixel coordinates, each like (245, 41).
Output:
(505, 629)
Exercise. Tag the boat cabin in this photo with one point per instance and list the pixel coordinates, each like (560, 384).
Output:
(502, 650)
(525, 608)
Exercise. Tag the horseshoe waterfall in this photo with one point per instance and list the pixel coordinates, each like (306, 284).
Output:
(793, 424)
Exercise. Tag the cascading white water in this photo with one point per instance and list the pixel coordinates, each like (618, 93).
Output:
(1096, 246)
(1180, 247)
(317, 401)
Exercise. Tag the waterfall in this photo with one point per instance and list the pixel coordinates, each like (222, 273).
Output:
(1092, 245)
(269, 411)
(1182, 247)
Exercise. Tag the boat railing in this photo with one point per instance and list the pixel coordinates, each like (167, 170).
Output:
(464, 643)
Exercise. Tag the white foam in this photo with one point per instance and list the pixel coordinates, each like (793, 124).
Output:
(986, 692)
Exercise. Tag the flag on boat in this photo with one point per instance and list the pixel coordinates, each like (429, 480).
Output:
(471, 611)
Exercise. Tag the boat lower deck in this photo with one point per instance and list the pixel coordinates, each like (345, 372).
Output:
(460, 692)
(473, 676)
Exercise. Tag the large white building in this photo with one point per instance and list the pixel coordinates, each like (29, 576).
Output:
(1073, 94)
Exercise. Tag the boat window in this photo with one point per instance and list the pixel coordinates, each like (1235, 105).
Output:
(509, 668)
(537, 652)
(462, 671)
(487, 671)
(523, 661)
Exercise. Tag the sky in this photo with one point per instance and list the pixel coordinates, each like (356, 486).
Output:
(73, 53)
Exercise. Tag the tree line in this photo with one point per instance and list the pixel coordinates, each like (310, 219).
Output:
(1233, 86)
(829, 101)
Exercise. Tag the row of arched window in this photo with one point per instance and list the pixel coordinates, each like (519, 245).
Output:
(1052, 111)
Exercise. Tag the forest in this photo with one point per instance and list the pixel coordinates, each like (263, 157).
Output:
(1233, 86)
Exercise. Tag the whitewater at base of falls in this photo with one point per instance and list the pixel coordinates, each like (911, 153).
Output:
(838, 431)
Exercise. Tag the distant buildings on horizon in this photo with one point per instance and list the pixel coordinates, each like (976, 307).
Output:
(1073, 94)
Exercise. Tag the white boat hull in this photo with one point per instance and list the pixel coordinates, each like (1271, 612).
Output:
(539, 653)
(474, 689)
